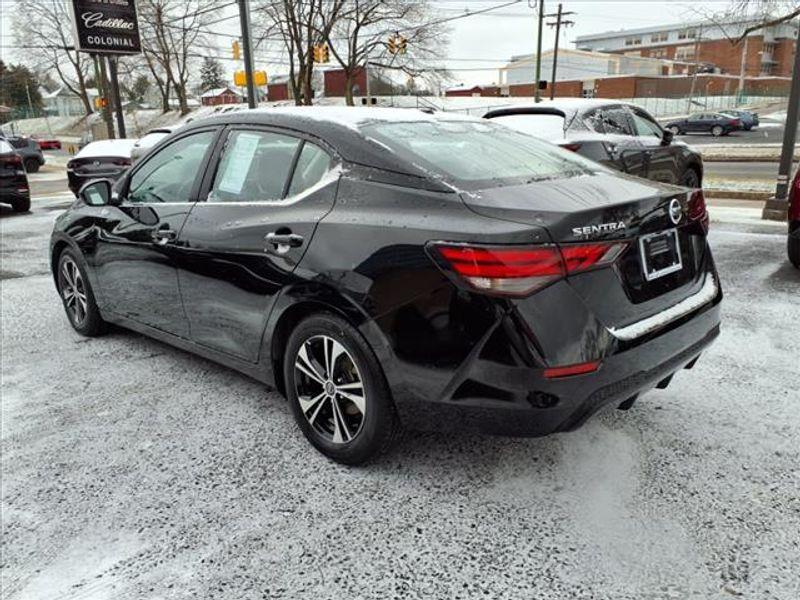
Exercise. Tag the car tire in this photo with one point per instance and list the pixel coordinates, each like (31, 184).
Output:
(690, 179)
(794, 249)
(22, 206)
(717, 130)
(675, 130)
(31, 165)
(77, 296)
(346, 425)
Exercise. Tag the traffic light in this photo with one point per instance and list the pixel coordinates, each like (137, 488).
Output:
(321, 53)
(397, 44)
(100, 103)
(237, 51)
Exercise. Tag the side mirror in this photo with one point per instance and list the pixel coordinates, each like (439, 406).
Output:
(666, 137)
(96, 193)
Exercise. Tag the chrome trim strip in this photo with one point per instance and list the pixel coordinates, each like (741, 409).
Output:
(706, 294)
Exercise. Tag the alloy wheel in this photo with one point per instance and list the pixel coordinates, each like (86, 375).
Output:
(73, 291)
(330, 389)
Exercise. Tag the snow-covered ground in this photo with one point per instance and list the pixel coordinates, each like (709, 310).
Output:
(132, 470)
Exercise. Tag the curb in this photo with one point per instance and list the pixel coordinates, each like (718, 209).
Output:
(754, 195)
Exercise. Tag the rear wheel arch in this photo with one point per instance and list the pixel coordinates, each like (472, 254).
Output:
(287, 321)
(58, 248)
(698, 171)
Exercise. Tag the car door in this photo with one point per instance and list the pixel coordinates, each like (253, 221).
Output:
(134, 256)
(695, 123)
(625, 149)
(662, 159)
(241, 244)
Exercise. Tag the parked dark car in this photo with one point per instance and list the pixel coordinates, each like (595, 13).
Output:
(14, 188)
(28, 149)
(794, 221)
(383, 267)
(619, 135)
(102, 159)
(716, 124)
(748, 118)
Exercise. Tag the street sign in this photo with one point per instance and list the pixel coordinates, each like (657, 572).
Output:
(259, 78)
(105, 26)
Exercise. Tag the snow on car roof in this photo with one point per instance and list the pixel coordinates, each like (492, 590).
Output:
(107, 148)
(356, 116)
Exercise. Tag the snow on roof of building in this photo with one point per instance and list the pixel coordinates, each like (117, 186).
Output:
(212, 93)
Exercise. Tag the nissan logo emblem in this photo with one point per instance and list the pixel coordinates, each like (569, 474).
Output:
(675, 211)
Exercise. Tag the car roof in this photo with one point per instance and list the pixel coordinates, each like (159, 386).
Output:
(107, 148)
(565, 106)
(340, 128)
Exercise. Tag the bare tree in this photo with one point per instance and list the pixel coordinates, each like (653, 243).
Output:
(298, 26)
(43, 29)
(171, 30)
(361, 33)
(760, 13)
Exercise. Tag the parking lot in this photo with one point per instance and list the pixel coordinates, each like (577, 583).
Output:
(134, 470)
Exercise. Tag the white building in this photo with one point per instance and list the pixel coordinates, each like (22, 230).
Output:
(576, 65)
(63, 103)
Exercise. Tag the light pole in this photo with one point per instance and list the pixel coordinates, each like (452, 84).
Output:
(776, 208)
(536, 93)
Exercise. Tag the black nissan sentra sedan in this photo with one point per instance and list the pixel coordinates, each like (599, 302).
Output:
(386, 267)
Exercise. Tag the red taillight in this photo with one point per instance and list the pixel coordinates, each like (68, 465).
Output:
(122, 162)
(569, 370)
(574, 146)
(697, 209)
(735, 122)
(521, 270)
(11, 161)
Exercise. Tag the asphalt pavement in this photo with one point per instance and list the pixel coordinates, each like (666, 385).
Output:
(132, 470)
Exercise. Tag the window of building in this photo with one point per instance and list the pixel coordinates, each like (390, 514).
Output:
(687, 34)
(684, 52)
(658, 53)
(659, 37)
(633, 41)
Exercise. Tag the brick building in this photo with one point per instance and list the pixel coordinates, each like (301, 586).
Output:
(705, 45)
(475, 90)
(224, 95)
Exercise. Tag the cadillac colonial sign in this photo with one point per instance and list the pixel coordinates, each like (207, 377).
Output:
(105, 26)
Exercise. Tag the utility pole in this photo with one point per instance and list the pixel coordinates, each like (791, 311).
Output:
(776, 208)
(742, 71)
(557, 24)
(100, 78)
(112, 70)
(244, 19)
(536, 93)
(698, 35)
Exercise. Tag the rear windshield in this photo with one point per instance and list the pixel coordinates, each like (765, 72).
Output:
(477, 154)
(546, 127)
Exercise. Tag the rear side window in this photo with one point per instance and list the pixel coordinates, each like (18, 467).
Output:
(613, 120)
(312, 165)
(476, 154)
(546, 127)
(254, 167)
(645, 126)
(5, 147)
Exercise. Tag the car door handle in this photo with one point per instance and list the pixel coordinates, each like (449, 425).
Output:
(162, 236)
(290, 240)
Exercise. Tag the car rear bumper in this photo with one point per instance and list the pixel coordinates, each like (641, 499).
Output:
(532, 405)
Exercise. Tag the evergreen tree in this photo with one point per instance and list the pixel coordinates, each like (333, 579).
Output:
(212, 75)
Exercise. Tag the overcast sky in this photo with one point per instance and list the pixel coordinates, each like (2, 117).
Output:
(482, 43)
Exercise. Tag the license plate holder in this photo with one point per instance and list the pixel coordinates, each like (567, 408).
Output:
(660, 253)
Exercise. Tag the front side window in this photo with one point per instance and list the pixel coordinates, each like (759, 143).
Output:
(254, 167)
(476, 154)
(168, 176)
(644, 125)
